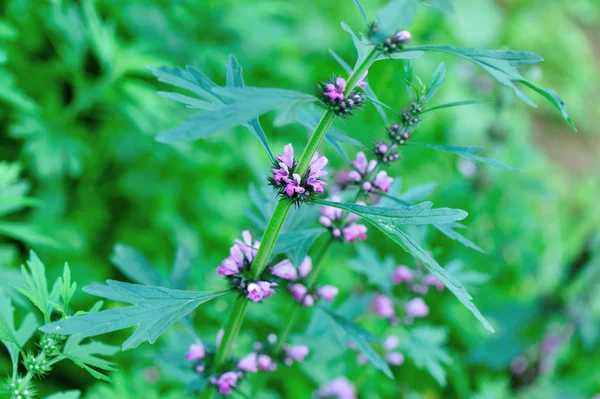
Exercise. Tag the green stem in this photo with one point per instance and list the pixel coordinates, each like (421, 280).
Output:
(275, 225)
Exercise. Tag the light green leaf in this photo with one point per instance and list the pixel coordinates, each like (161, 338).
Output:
(190, 79)
(467, 153)
(501, 64)
(402, 55)
(361, 10)
(362, 45)
(182, 264)
(424, 345)
(134, 265)
(65, 395)
(36, 286)
(377, 271)
(440, 5)
(438, 79)
(154, 310)
(395, 14)
(412, 248)
(456, 104)
(417, 214)
(348, 332)
(448, 231)
(67, 289)
(191, 102)
(296, 244)
(85, 356)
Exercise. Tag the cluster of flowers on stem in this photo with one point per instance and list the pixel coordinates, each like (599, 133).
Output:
(362, 172)
(391, 354)
(392, 44)
(291, 185)
(383, 306)
(342, 225)
(262, 358)
(400, 133)
(298, 286)
(333, 97)
(237, 269)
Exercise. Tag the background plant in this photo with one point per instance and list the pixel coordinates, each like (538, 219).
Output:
(78, 211)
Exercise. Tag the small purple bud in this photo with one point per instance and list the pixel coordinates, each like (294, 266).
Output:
(196, 351)
(416, 308)
(403, 36)
(367, 186)
(272, 338)
(337, 233)
(305, 267)
(328, 292)
(308, 301)
(394, 358)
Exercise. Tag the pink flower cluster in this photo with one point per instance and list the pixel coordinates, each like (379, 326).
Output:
(299, 290)
(262, 357)
(384, 307)
(341, 224)
(292, 184)
(417, 282)
(395, 42)
(332, 95)
(393, 357)
(236, 268)
(227, 381)
(362, 171)
(338, 388)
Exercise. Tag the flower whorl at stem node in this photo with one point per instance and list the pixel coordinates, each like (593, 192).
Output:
(236, 268)
(393, 43)
(342, 227)
(332, 96)
(363, 168)
(291, 185)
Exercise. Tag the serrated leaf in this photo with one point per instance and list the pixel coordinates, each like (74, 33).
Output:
(467, 153)
(66, 288)
(190, 79)
(402, 55)
(348, 332)
(424, 345)
(85, 356)
(501, 64)
(448, 231)
(154, 310)
(65, 395)
(416, 215)
(191, 102)
(134, 265)
(412, 248)
(377, 271)
(36, 286)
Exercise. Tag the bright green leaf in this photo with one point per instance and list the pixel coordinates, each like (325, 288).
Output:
(467, 153)
(85, 356)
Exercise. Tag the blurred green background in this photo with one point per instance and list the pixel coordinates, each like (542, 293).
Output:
(79, 112)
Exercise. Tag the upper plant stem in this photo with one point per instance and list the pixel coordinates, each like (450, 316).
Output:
(273, 230)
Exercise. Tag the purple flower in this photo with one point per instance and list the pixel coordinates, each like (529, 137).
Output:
(394, 358)
(266, 363)
(403, 36)
(354, 231)
(339, 388)
(383, 181)
(362, 165)
(391, 342)
(271, 338)
(196, 351)
(308, 301)
(285, 270)
(293, 186)
(259, 290)
(328, 292)
(296, 352)
(220, 334)
(335, 91)
(430, 279)
(298, 291)
(420, 289)
(416, 308)
(226, 382)
(249, 363)
(383, 306)
(305, 267)
(241, 255)
(362, 84)
(361, 359)
(401, 274)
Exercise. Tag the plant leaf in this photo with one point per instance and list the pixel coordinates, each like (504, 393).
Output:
(361, 10)
(36, 286)
(348, 332)
(417, 214)
(65, 395)
(154, 310)
(395, 14)
(448, 231)
(377, 271)
(134, 265)
(501, 64)
(296, 244)
(182, 264)
(440, 5)
(467, 153)
(456, 104)
(412, 248)
(85, 356)
(438, 79)
(362, 45)
(424, 345)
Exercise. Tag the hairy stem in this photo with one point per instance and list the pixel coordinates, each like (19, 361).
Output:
(275, 225)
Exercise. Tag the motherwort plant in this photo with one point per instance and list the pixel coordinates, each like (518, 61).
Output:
(277, 263)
